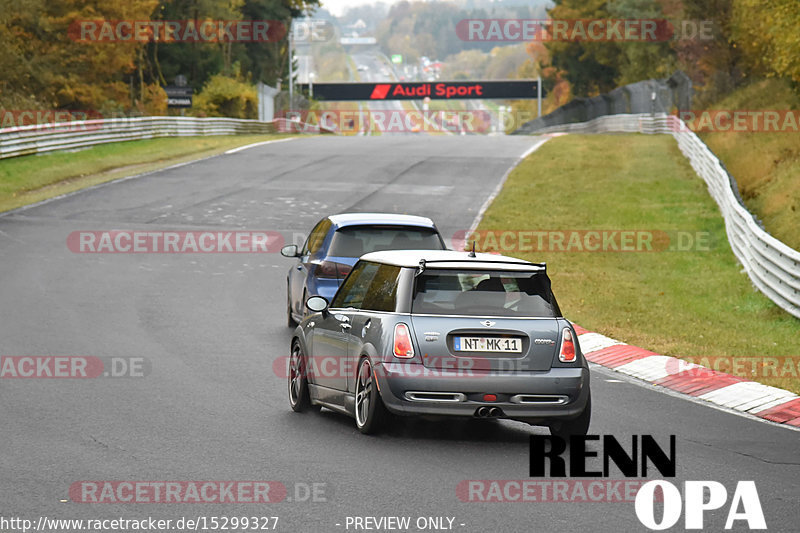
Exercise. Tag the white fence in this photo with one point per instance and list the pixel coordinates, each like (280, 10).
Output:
(772, 266)
(41, 138)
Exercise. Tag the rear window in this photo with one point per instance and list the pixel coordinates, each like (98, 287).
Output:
(481, 292)
(355, 241)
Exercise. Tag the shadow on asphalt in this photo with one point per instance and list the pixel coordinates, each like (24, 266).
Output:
(445, 430)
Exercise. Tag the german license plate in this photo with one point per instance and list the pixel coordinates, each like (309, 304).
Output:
(487, 344)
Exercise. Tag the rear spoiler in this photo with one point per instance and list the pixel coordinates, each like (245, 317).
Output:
(424, 263)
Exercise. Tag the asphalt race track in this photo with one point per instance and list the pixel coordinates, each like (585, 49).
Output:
(211, 325)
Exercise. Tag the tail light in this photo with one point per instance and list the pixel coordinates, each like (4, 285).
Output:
(567, 353)
(331, 269)
(402, 342)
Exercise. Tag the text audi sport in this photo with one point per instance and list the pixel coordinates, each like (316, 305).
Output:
(420, 332)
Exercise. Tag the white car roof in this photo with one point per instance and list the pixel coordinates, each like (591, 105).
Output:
(451, 259)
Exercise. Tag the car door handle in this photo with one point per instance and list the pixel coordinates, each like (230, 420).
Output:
(345, 325)
(299, 267)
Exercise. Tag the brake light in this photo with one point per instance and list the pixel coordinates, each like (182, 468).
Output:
(402, 342)
(331, 269)
(567, 353)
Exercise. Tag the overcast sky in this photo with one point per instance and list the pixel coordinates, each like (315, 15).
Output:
(338, 7)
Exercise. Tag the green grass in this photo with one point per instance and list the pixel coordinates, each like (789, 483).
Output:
(766, 165)
(28, 179)
(684, 304)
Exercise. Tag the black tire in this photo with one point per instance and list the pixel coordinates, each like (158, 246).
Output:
(575, 426)
(299, 398)
(370, 412)
(290, 322)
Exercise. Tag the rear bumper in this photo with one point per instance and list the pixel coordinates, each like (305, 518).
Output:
(403, 387)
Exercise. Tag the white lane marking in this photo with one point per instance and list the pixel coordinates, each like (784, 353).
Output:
(759, 402)
(9, 237)
(769, 405)
(533, 148)
(591, 342)
(499, 186)
(245, 147)
(119, 180)
(655, 367)
(747, 394)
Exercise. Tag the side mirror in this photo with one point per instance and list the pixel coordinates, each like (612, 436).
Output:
(290, 250)
(317, 304)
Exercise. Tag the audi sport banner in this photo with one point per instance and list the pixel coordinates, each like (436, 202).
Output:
(444, 90)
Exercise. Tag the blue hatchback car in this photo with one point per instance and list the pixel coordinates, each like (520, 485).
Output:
(336, 243)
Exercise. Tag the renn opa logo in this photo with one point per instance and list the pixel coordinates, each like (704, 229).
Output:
(744, 505)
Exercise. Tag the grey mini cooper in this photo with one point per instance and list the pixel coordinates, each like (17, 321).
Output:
(441, 333)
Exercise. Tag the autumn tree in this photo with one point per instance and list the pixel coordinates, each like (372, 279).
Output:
(42, 61)
(767, 34)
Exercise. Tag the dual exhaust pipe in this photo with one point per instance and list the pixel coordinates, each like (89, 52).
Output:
(489, 412)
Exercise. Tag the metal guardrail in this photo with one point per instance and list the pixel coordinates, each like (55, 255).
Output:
(773, 267)
(40, 138)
